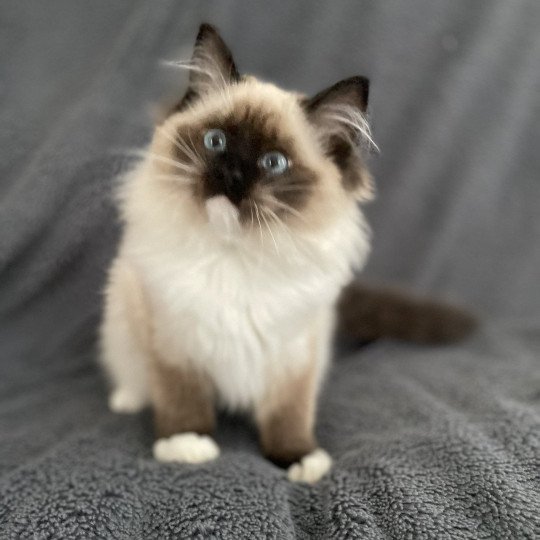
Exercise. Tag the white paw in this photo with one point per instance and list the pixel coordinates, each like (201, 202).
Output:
(125, 402)
(311, 468)
(186, 448)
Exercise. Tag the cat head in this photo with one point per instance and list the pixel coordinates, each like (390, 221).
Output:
(248, 155)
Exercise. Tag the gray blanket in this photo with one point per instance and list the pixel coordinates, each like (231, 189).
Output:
(429, 442)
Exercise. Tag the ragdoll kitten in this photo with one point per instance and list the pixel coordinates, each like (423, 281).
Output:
(241, 228)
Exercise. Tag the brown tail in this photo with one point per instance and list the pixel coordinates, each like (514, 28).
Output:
(367, 313)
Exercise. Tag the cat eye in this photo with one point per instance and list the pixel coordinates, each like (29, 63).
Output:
(214, 139)
(274, 163)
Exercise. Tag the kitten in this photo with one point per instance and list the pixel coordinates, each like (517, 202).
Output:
(241, 229)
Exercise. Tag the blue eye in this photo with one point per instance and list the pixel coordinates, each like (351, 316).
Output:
(274, 163)
(214, 139)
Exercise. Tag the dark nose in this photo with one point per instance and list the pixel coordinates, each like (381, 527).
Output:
(233, 176)
(233, 185)
(230, 179)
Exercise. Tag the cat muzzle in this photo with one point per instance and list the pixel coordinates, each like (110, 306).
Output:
(223, 216)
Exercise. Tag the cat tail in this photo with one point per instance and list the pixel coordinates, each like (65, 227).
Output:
(368, 313)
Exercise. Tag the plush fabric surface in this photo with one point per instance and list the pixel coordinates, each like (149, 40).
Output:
(429, 442)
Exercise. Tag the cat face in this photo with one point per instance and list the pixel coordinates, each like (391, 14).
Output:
(250, 155)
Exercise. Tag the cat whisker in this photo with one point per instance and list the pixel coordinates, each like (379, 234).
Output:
(251, 210)
(139, 153)
(273, 201)
(181, 146)
(194, 148)
(259, 220)
(354, 119)
(212, 78)
(276, 218)
(189, 151)
(185, 180)
(269, 230)
(278, 221)
(163, 159)
(291, 188)
(206, 83)
(190, 65)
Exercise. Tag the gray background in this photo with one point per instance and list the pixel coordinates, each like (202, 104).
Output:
(429, 442)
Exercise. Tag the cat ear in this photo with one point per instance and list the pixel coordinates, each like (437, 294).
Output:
(351, 92)
(341, 108)
(338, 115)
(211, 67)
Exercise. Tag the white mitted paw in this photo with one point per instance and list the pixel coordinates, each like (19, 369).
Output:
(311, 468)
(186, 448)
(125, 402)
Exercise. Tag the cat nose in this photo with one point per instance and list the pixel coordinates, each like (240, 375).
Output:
(235, 175)
(234, 184)
(230, 177)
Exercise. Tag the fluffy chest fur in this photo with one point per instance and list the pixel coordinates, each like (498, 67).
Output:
(237, 310)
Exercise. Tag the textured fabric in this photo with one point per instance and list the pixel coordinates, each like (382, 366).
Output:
(429, 442)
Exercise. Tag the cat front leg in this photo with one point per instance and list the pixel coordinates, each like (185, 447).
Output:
(286, 420)
(184, 414)
(125, 339)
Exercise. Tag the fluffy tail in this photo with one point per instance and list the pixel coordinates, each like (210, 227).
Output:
(366, 314)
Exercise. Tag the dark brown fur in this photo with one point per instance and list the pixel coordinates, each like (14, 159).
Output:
(182, 400)
(209, 42)
(353, 173)
(286, 424)
(370, 313)
(343, 149)
(250, 133)
(285, 439)
(354, 91)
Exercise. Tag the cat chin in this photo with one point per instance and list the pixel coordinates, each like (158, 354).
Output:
(223, 217)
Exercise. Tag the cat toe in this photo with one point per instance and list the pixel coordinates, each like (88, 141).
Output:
(311, 468)
(186, 448)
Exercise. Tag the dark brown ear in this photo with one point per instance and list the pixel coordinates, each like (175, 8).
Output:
(211, 67)
(338, 114)
(340, 110)
(352, 92)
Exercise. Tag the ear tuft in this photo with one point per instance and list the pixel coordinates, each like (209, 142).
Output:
(212, 53)
(212, 67)
(352, 92)
(338, 115)
(340, 111)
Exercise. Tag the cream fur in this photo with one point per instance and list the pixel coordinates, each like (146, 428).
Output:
(243, 308)
(233, 309)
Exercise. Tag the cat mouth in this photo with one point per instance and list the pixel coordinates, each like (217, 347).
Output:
(223, 216)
